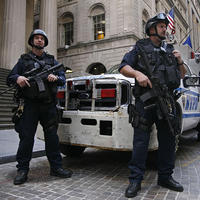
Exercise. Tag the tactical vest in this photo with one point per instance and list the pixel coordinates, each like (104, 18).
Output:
(162, 63)
(33, 92)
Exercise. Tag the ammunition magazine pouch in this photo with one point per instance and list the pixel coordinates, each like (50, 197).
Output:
(33, 92)
(136, 120)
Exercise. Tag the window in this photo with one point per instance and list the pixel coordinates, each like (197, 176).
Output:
(99, 26)
(98, 17)
(96, 68)
(66, 29)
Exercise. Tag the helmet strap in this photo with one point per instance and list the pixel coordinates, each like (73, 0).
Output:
(37, 47)
(156, 34)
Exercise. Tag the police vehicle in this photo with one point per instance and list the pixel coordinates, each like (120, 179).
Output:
(93, 111)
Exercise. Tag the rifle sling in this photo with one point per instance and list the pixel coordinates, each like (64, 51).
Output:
(38, 61)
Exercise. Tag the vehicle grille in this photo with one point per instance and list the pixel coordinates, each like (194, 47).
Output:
(94, 95)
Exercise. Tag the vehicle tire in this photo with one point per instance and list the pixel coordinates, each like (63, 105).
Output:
(72, 151)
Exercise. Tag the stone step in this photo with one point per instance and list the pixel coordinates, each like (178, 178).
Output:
(3, 81)
(5, 97)
(6, 126)
(8, 101)
(9, 92)
(6, 105)
(5, 109)
(6, 115)
(3, 86)
(4, 120)
(10, 95)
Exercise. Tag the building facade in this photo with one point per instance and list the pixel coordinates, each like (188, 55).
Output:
(93, 35)
(16, 24)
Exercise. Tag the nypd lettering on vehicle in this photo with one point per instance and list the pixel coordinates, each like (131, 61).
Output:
(190, 103)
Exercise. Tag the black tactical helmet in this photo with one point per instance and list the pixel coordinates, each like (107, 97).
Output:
(161, 17)
(37, 32)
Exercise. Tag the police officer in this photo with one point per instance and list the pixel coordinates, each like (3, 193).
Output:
(38, 107)
(163, 60)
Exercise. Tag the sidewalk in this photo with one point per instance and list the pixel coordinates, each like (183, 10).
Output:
(9, 141)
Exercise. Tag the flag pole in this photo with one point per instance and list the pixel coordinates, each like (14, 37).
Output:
(197, 49)
(185, 36)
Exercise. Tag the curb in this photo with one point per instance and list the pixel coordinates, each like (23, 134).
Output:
(12, 158)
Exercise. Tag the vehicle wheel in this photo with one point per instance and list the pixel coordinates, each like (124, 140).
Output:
(198, 130)
(71, 151)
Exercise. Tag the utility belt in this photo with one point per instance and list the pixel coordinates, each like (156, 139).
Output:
(136, 120)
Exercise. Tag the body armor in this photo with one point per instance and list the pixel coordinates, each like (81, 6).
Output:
(33, 92)
(162, 62)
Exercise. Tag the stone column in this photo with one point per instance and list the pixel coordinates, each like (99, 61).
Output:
(1, 23)
(13, 34)
(48, 23)
(29, 20)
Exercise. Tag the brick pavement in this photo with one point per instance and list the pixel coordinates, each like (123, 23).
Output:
(102, 175)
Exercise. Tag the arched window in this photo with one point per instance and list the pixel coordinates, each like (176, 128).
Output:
(145, 17)
(66, 29)
(96, 68)
(98, 17)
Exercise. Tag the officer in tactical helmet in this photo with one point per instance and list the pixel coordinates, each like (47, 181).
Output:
(37, 106)
(166, 66)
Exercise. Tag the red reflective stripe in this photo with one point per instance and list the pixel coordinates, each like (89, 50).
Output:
(60, 95)
(108, 93)
(69, 84)
(87, 82)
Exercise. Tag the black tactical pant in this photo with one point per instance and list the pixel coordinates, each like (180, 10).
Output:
(166, 150)
(33, 113)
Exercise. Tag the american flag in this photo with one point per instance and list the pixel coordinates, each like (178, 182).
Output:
(170, 17)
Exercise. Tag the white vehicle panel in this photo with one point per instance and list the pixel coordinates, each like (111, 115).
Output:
(107, 127)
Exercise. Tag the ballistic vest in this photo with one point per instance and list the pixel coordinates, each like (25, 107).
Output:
(162, 62)
(33, 92)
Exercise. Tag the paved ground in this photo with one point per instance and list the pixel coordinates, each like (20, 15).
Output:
(9, 143)
(102, 175)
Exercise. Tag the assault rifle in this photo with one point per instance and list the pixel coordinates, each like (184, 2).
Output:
(38, 75)
(163, 99)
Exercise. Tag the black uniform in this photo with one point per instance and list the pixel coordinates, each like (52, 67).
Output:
(37, 108)
(163, 64)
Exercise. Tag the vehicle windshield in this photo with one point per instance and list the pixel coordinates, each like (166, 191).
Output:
(113, 70)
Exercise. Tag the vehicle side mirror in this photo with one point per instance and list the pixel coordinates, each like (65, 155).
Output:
(191, 81)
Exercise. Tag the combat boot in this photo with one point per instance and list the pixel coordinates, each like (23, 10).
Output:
(21, 177)
(132, 189)
(171, 184)
(60, 172)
